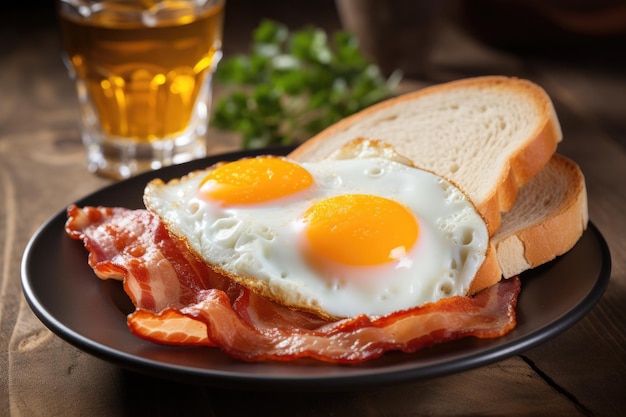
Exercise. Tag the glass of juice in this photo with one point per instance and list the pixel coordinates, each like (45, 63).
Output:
(142, 70)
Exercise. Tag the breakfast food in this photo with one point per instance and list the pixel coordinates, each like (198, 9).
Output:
(363, 234)
(348, 247)
(489, 135)
(180, 301)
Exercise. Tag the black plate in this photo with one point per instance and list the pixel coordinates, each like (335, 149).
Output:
(64, 293)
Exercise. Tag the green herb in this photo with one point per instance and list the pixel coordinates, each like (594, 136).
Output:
(294, 84)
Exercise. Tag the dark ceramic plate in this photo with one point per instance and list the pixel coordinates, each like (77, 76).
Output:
(91, 314)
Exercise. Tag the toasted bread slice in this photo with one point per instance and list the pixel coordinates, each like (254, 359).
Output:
(547, 220)
(489, 135)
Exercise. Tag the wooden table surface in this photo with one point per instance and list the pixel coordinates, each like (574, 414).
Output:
(580, 372)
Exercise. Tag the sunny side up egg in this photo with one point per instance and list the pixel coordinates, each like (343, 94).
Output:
(339, 237)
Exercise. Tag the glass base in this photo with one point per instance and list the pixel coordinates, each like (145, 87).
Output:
(124, 158)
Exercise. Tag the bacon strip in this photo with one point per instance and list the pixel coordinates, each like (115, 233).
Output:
(181, 301)
(133, 246)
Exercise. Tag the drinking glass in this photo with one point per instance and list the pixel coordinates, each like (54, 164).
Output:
(142, 71)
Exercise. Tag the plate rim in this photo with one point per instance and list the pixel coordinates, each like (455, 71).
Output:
(183, 373)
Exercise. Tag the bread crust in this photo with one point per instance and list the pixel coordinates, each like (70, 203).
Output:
(488, 274)
(523, 164)
(551, 231)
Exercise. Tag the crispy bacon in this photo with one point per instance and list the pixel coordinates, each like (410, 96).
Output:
(133, 246)
(179, 300)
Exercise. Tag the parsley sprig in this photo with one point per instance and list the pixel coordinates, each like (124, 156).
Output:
(294, 84)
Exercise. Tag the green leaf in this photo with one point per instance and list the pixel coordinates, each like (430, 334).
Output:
(291, 85)
(270, 32)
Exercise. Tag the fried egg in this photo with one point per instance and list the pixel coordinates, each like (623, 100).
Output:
(367, 233)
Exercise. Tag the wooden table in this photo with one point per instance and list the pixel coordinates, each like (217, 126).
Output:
(582, 371)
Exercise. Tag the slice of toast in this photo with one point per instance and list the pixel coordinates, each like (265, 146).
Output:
(489, 135)
(547, 219)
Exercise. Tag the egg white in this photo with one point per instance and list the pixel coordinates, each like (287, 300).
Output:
(260, 245)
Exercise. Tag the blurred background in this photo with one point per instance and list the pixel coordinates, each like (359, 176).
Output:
(580, 43)
(523, 26)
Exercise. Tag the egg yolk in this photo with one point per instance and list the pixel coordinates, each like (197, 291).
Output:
(360, 229)
(255, 180)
